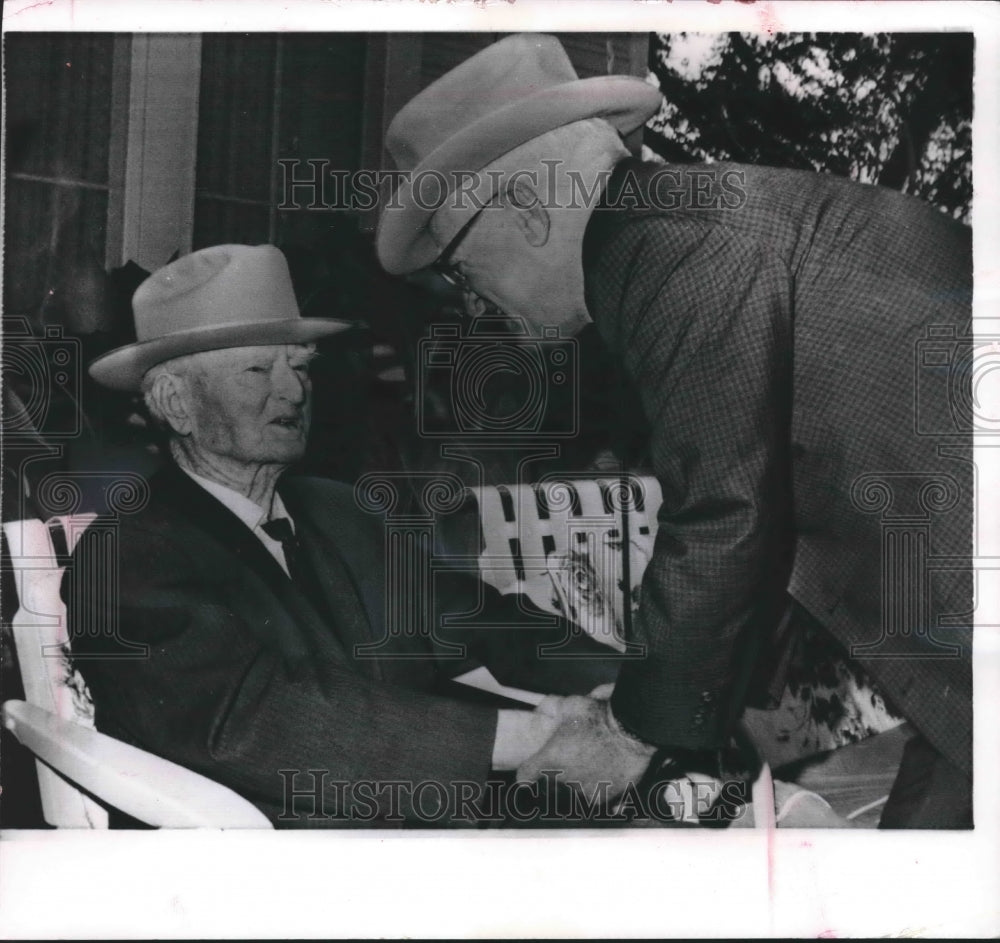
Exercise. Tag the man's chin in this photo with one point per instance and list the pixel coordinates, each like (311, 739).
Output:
(286, 448)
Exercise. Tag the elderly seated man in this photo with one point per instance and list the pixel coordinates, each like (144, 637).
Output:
(256, 592)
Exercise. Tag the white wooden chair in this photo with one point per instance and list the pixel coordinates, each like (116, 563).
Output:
(81, 771)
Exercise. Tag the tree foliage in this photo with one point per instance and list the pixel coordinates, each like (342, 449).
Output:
(892, 109)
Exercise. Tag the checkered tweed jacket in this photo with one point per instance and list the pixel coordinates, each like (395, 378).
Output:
(777, 325)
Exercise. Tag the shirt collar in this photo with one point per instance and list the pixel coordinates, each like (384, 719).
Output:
(249, 512)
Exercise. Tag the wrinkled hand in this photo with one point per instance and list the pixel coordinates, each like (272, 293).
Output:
(588, 748)
(522, 733)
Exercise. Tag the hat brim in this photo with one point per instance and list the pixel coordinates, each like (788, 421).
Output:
(124, 367)
(625, 102)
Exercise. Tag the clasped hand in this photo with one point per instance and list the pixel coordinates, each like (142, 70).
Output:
(583, 744)
(578, 740)
(587, 748)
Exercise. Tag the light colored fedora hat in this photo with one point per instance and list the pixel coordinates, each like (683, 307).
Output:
(223, 296)
(514, 90)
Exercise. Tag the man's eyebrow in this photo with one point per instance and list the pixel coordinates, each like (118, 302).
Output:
(250, 359)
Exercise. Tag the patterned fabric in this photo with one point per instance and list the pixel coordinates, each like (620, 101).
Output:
(590, 593)
(83, 703)
(800, 444)
(829, 701)
(581, 595)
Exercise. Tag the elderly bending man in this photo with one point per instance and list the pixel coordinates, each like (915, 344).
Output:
(771, 321)
(255, 591)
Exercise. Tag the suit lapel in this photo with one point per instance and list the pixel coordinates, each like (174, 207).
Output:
(211, 516)
(307, 632)
(324, 536)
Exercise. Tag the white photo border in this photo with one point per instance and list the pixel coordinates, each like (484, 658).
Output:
(630, 883)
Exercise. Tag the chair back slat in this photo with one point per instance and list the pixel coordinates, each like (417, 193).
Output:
(533, 533)
(42, 643)
(544, 518)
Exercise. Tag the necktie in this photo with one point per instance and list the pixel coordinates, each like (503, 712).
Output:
(280, 529)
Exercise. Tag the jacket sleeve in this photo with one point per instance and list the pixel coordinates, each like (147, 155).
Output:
(213, 696)
(702, 320)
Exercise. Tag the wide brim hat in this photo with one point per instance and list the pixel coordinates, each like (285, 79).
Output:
(514, 90)
(223, 296)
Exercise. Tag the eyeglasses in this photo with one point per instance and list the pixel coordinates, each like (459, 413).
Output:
(452, 275)
(449, 270)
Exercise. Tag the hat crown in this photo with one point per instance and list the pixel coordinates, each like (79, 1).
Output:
(223, 296)
(509, 93)
(499, 75)
(221, 285)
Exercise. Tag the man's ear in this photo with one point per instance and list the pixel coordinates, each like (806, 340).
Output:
(529, 214)
(169, 402)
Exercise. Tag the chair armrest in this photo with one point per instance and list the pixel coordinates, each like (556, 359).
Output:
(138, 783)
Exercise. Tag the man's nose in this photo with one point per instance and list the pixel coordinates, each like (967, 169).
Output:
(289, 383)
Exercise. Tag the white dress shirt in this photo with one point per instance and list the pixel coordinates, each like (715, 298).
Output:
(253, 515)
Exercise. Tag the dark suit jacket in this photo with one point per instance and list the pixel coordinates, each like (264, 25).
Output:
(245, 676)
(774, 325)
